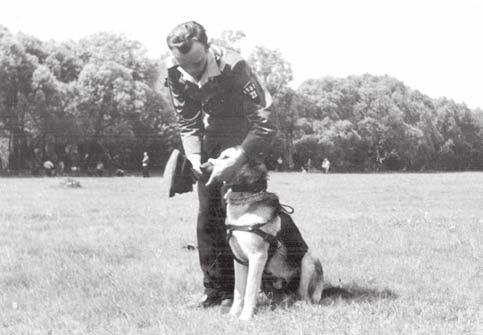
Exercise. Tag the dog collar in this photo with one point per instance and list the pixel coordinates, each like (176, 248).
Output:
(241, 200)
(259, 186)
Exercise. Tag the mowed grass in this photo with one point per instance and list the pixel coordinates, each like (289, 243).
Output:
(401, 254)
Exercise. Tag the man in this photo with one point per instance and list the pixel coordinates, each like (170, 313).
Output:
(325, 165)
(49, 168)
(145, 163)
(220, 104)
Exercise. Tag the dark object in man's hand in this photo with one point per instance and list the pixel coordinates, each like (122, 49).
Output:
(178, 173)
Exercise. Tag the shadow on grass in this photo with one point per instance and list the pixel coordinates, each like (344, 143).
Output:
(355, 293)
(351, 293)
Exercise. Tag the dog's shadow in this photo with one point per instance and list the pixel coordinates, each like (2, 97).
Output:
(355, 293)
(351, 293)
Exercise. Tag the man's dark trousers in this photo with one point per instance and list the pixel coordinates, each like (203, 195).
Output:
(216, 259)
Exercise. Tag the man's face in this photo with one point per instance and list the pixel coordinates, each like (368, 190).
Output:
(194, 61)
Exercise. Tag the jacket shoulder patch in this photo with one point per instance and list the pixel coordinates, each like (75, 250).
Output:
(250, 90)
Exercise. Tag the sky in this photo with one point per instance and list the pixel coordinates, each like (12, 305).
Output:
(434, 46)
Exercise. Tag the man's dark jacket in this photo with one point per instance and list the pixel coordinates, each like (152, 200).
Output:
(227, 107)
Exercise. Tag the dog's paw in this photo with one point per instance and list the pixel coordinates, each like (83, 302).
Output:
(233, 313)
(235, 310)
(245, 316)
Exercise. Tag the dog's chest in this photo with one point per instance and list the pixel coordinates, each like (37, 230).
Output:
(278, 267)
(240, 215)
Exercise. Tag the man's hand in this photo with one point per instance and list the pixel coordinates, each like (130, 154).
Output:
(227, 165)
(195, 160)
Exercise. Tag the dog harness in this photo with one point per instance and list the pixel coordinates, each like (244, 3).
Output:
(273, 240)
(288, 237)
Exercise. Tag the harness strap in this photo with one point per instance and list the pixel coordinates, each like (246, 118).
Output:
(229, 233)
(238, 260)
(255, 228)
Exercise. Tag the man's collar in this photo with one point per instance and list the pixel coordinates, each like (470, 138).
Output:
(212, 69)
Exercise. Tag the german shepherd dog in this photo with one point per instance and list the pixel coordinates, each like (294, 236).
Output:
(265, 243)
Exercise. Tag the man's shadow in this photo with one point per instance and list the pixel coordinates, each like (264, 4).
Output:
(352, 293)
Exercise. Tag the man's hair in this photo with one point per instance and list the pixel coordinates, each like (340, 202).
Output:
(183, 35)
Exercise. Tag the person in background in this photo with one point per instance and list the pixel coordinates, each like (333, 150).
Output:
(60, 168)
(145, 165)
(99, 168)
(49, 168)
(279, 163)
(325, 165)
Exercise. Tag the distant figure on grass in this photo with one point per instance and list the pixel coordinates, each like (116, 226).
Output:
(99, 168)
(145, 165)
(49, 168)
(308, 165)
(297, 162)
(75, 170)
(325, 165)
(60, 168)
(279, 163)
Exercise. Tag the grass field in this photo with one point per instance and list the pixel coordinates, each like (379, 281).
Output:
(402, 254)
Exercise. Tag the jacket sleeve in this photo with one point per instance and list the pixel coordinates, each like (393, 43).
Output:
(256, 101)
(188, 113)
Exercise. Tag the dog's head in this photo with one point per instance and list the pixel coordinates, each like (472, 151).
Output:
(249, 173)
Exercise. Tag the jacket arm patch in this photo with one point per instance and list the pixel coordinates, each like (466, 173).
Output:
(250, 90)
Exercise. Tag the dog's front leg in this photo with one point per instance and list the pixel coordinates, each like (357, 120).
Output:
(256, 264)
(241, 272)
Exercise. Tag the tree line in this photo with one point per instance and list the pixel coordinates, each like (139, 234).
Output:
(81, 102)
(367, 123)
(102, 99)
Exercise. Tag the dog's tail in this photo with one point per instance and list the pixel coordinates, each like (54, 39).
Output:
(316, 285)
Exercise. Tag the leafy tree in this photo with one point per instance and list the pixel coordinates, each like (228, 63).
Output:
(274, 71)
(16, 71)
(399, 128)
(104, 95)
(229, 39)
(64, 62)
